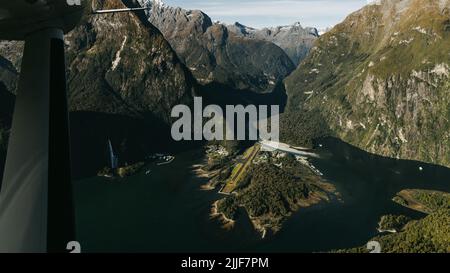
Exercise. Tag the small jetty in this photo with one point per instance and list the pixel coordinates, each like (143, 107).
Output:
(161, 159)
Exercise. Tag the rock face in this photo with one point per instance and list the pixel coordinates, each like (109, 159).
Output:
(118, 64)
(381, 80)
(295, 40)
(216, 55)
(123, 77)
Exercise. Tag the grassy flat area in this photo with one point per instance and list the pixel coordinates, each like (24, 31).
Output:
(241, 169)
(425, 201)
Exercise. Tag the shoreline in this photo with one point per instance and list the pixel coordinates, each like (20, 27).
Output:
(387, 230)
(227, 223)
(267, 224)
(407, 196)
(198, 172)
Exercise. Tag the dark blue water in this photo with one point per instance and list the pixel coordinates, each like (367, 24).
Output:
(167, 212)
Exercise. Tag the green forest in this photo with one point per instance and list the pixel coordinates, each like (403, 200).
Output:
(393, 222)
(434, 200)
(300, 128)
(273, 193)
(428, 235)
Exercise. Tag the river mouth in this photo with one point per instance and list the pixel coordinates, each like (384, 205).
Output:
(168, 212)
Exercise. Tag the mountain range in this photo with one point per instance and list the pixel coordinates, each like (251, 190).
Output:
(379, 80)
(123, 77)
(214, 54)
(295, 40)
(126, 72)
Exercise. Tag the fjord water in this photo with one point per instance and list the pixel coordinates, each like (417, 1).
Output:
(167, 212)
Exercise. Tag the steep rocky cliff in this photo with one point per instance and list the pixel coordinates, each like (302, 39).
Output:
(118, 64)
(216, 55)
(123, 78)
(381, 80)
(294, 39)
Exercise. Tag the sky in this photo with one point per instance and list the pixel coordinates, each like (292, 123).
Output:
(266, 13)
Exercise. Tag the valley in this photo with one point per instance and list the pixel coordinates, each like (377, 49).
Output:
(365, 130)
(214, 54)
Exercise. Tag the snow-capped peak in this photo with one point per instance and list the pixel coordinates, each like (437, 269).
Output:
(152, 3)
(159, 3)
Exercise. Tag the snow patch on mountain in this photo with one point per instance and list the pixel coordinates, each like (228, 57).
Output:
(294, 39)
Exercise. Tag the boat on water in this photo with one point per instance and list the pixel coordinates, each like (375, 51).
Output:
(166, 160)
